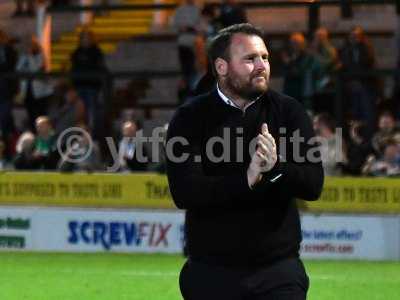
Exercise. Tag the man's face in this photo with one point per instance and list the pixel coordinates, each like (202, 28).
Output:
(297, 43)
(321, 35)
(71, 96)
(248, 69)
(356, 35)
(129, 130)
(43, 128)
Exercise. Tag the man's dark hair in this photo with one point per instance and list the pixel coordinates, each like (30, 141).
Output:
(218, 47)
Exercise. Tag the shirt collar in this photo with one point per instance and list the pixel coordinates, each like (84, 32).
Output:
(230, 102)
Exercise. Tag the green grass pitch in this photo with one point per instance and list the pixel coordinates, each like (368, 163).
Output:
(34, 276)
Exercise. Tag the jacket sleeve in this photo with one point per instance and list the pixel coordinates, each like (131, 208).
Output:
(299, 170)
(190, 187)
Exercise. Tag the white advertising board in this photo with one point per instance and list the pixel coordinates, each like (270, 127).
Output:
(84, 230)
(15, 229)
(97, 230)
(350, 237)
(119, 231)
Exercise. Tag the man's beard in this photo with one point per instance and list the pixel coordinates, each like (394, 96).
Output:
(245, 89)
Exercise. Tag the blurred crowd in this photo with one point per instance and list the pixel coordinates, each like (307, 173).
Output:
(366, 142)
(369, 135)
(52, 107)
(369, 140)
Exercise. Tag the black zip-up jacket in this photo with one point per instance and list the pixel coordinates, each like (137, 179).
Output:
(227, 223)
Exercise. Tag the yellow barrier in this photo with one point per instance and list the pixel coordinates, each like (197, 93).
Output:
(358, 195)
(148, 190)
(143, 190)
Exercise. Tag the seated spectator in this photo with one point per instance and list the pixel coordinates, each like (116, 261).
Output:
(388, 164)
(35, 94)
(331, 144)
(67, 109)
(358, 148)
(386, 130)
(357, 55)
(24, 159)
(325, 62)
(45, 149)
(83, 155)
(132, 154)
(297, 70)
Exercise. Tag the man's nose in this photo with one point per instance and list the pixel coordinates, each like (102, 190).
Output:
(260, 64)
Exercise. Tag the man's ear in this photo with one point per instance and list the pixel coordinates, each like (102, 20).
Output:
(221, 66)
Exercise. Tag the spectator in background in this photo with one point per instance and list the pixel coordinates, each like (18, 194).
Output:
(186, 22)
(132, 154)
(358, 148)
(298, 66)
(209, 23)
(210, 26)
(331, 148)
(386, 130)
(89, 58)
(8, 60)
(45, 149)
(357, 55)
(24, 159)
(35, 93)
(325, 62)
(201, 60)
(388, 164)
(67, 109)
(83, 155)
(24, 8)
(231, 13)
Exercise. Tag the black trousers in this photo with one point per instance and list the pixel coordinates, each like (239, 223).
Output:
(283, 280)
